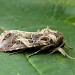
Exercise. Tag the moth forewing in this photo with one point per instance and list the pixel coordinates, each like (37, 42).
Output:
(13, 40)
(6, 41)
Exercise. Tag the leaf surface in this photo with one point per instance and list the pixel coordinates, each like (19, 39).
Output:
(31, 15)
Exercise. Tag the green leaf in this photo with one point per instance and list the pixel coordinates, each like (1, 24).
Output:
(31, 15)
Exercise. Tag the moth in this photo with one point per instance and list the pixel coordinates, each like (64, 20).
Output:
(46, 39)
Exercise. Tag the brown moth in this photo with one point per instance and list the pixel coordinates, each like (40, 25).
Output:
(13, 40)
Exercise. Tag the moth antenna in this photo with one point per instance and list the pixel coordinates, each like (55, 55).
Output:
(64, 53)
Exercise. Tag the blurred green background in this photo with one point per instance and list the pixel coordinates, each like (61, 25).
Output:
(31, 15)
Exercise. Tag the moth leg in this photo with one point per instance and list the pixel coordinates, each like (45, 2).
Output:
(47, 46)
(68, 47)
(62, 45)
(65, 46)
(52, 52)
(64, 53)
(13, 53)
(18, 51)
(43, 48)
(34, 53)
